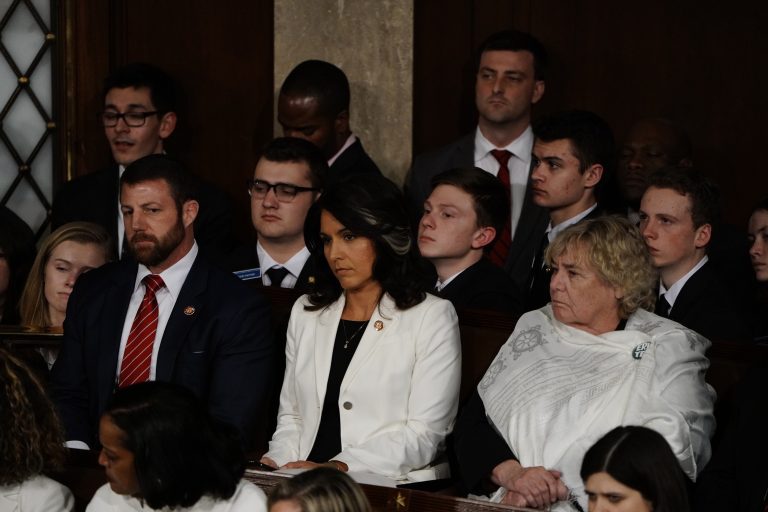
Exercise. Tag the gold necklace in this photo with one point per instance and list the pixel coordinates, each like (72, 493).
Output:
(350, 338)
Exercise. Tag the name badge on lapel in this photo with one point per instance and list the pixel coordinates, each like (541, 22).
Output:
(248, 274)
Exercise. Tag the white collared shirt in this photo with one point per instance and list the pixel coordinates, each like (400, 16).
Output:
(552, 232)
(442, 284)
(671, 294)
(350, 140)
(294, 266)
(174, 278)
(519, 166)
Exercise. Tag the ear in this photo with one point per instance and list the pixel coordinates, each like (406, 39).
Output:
(189, 212)
(538, 91)
(341, 123)
(483, 236)
(593, 175)
(167, 124)
(618, 293)
(703, 236)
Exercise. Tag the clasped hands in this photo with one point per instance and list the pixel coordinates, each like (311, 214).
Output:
(534, 487)
(305, 464)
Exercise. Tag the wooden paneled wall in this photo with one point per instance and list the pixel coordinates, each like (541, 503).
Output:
(698, 63)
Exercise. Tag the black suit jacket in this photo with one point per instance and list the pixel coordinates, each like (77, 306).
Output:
(533, 219)
(354, 160)
(94, 198)
(217, 342)
(246, 257)
(706, 306)
(484, 286)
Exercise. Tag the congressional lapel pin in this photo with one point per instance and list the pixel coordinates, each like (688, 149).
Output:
(378, 325)
(189, 311)
(639, 350)
(311, 280)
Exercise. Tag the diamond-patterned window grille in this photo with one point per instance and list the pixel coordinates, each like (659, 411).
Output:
(26, 118)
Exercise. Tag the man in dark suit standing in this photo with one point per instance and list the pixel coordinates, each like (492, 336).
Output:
(139, 115)
(169, 315)
(466, 208)
(288, 179)
(678, 213)
(314, 105)
(572, 156)
(510, 79)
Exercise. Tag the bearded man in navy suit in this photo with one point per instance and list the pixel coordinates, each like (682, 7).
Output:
(211, 332)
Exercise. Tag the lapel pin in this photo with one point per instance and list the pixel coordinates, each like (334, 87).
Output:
(189, 311)
(378, 325)
(311, 279)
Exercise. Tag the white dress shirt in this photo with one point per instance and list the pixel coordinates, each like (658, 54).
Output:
(294, 266)
(350, 140)
(173, 277)
(519, 166)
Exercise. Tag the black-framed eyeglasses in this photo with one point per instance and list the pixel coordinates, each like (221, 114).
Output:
(109, 118)
(285, 192)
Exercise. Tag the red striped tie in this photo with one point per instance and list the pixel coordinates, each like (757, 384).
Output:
(137, 356)
(498, 254)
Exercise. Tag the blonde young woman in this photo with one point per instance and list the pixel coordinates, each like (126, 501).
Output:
(66, 254)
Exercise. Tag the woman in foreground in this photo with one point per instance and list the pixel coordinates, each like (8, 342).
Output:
(161, 448)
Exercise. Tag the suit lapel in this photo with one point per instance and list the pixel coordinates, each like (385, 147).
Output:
(532, 225)
(385, 316)
(185, 312)
(693, 288)
(465, 152)
(111, 328)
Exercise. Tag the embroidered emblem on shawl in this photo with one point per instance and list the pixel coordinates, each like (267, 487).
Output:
(527, 341)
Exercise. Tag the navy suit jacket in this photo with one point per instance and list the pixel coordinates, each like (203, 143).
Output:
(484, 286)
(246, 257)
(354, 160)
(533, 219)
(94, 198)
(217, 342)
(706, 306)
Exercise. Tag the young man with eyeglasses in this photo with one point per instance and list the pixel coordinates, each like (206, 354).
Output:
(287, 180)
(139, 115)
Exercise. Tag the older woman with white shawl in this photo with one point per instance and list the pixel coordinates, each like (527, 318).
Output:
(591, 360)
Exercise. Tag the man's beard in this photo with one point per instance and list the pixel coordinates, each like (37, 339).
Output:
(154, 255)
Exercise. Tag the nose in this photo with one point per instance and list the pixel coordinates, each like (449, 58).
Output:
(137, 220)
(71, 278)
(647, 229)
(634, 161)
(427, 221)
(536, 174)
(757, 247)
(270, 199)
(102, 458)
(555, 281)
(498, 84)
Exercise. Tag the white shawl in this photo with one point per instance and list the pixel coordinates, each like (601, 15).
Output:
(553, 390)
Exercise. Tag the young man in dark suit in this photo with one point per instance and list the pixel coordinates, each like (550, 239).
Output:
(572, 156)
(139, 115)
(287, 180)
(678, 213)
(165, 314)
(461, 217)
(314, 105)
(511, 68)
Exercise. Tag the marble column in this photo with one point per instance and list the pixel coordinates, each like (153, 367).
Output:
(372, 41)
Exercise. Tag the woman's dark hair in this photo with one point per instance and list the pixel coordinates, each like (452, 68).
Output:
(762, 205)
(31, 438)
(180, 452)
(641, 459)
(371, 206)
(321, 490)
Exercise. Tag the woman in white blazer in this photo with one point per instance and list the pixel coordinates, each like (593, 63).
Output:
(373, 363)
(31, 441)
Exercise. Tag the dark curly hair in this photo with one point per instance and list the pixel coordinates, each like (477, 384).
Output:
(180, 452)
(31, 437)
(371, 206)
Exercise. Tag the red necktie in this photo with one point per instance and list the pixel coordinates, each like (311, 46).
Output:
(498, 254)
(137, 356)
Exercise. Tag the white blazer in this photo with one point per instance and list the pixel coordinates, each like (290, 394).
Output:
(38, 494)
(398, 398)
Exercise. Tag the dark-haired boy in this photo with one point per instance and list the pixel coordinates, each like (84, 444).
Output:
(678, 212)
(139, 115)
(314, 105)
(462, 215)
